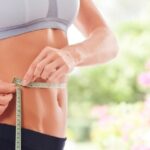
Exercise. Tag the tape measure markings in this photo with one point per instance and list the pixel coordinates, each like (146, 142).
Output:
(18, 82)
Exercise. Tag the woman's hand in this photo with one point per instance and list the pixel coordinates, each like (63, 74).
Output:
(51, 64)
(6, 94)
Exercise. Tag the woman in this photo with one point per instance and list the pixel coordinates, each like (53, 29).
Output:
(34, 46)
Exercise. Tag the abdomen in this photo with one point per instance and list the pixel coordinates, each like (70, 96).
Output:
(41, 109)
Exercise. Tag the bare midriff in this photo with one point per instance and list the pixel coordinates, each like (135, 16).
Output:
(42, 111)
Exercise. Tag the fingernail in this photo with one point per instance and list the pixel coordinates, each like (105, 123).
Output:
(24, 82)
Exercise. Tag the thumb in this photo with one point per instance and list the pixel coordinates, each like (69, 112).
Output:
(7, 87)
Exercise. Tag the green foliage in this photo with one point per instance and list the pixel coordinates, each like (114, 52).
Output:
(81, 129)
(114, 82)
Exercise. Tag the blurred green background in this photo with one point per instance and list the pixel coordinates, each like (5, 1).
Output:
(109, 104)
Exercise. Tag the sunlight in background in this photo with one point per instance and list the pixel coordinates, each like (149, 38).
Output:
(74, 36)
(109, 109)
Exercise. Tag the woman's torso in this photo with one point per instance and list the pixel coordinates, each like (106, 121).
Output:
(42, 111)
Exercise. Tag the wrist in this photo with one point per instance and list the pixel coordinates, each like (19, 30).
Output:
(75, 52)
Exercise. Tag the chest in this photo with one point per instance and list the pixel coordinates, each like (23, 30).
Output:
(13, 12)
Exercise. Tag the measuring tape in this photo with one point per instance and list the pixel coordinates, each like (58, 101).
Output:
(18, 83)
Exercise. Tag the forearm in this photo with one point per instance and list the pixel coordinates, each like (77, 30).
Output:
(99, 47)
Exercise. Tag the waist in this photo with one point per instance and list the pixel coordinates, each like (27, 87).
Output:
(18, 52)
(7, 134)
(16, 55)
(41, 110)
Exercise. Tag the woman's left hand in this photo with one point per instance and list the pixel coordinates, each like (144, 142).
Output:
(51, 64)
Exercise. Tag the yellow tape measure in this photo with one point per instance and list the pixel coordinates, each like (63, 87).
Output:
(18, 83)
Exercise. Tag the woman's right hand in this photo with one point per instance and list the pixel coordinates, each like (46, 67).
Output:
(6, 94)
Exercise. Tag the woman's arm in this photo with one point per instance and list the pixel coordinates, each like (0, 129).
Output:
(100, 45)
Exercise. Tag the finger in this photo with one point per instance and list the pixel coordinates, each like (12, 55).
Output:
(59, 72)
(42, 55)
(40, 66)
(4, 100)
(7, 87)
(45, 77)
(48, 69)
(63, 78)
(47, 51)
(29, 74)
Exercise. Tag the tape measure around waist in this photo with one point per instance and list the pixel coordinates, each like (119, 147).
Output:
(18, 83)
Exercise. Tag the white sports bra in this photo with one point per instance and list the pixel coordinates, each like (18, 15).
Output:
(20, 16)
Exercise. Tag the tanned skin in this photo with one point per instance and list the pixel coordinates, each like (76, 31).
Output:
(45, 110)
